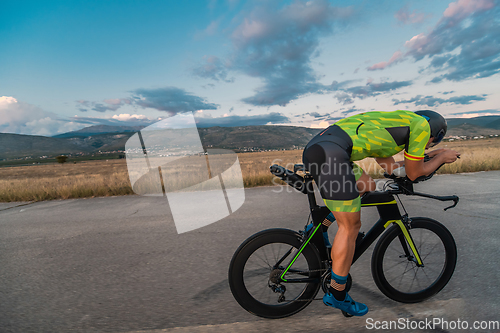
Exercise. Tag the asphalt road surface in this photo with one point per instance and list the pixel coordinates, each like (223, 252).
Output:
(117, 264)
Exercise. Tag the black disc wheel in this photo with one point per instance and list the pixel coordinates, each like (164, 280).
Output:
(256, 267)
(395, 270)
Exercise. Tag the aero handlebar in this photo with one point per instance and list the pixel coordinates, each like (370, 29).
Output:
(401, 185)
(289, 177)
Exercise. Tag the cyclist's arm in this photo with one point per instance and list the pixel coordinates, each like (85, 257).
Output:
(415, 169)
(388, 163)
(434, 152)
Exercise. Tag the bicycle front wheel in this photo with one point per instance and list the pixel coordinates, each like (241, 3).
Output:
(396, 273)
(255, 269)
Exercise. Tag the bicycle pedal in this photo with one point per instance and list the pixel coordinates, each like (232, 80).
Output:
(347, 315)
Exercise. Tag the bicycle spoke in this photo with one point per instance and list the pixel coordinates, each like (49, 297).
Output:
(418, 281)
(278, 254)
(393, 266)
(265, 262)
(422, 242)
(265, 255)
(402, 275)
(431, 250)
(275, 255)
(396, 249)
(259, 270)
(423, 270)
(265, 291)
(414, 276)
(439, 270)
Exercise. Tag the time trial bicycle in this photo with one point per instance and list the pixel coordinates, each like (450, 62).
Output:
(277, 272)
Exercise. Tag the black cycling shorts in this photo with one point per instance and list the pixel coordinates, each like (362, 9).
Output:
(327, 158)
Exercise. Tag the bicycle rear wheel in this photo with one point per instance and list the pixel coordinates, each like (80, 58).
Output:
(398, 275)
(254, 270)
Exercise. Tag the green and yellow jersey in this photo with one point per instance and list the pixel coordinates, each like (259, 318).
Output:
(384, 134)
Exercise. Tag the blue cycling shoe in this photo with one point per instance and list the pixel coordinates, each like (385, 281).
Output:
(347, 305)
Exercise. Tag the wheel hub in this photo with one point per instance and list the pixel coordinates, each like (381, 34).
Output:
(274, 277)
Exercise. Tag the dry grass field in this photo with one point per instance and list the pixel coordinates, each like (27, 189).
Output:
(107, 178)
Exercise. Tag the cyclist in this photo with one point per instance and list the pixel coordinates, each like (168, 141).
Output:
(329, 158)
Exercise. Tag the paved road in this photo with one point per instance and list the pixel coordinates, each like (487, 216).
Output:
(117, 265)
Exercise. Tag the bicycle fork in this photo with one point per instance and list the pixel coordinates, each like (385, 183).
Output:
(406, 240)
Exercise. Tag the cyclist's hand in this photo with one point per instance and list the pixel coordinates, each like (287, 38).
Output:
(449, 156)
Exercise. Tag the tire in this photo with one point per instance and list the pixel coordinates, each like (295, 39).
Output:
(401, 279)
(251, 267)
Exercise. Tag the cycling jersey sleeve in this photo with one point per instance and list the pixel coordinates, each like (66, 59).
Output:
(420, 132)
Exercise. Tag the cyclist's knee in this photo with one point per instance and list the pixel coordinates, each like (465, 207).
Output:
(357, 225)
(351, 222)
(354, 227)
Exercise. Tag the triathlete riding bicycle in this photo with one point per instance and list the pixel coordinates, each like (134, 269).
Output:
(329, 158)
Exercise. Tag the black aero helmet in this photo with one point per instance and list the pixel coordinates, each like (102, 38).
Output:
(437, 123)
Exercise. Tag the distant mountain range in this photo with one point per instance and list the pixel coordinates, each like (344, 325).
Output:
(470, 127)
(99, 129)
(492, 122)
(96, 139)
(18, 145)
(243, 138)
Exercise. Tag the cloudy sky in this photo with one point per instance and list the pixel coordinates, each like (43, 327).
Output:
(65, 65)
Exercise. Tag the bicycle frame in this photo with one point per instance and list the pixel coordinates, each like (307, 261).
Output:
(388, 211)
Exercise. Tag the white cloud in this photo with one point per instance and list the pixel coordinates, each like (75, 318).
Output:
(251, 29)
(462, 45)
(23, 118)
(276, 43)
(48, 126)
(404, 16)
(5, 100)
(128, 117)
(473, 115)
(417, 42)
(463, 8)
(322, 124)
(396, 57)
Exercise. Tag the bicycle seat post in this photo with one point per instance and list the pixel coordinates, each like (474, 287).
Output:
(308, 183)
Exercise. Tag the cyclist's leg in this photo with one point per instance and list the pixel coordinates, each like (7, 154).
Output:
(344, 242)
(343, 248)
(333, 172)
(336, 179)
(348, 216)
